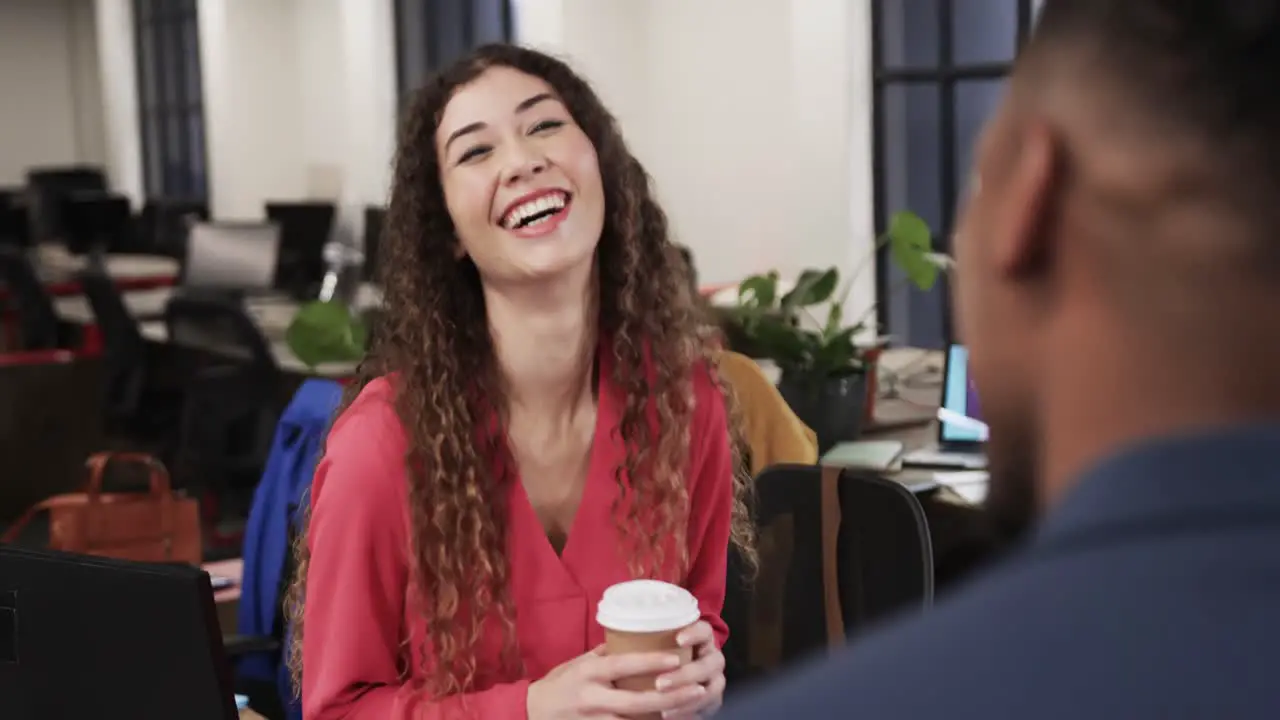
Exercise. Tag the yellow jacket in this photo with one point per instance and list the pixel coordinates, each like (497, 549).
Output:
(773, 432)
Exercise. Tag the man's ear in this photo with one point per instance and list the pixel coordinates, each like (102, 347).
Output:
(1018, 245)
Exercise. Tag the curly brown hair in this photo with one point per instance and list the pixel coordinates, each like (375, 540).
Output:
(435, 338)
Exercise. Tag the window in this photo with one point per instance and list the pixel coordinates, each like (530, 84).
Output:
(430, 34)
(171, 98)
(938, 72)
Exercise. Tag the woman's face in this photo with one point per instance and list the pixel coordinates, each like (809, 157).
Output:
(520, 178)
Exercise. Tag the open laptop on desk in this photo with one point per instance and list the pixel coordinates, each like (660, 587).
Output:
(959, 446)
(86, 637)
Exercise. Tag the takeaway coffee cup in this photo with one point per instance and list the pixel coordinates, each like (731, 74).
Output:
(646, 616)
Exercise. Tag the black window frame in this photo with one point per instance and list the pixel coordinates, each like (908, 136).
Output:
(945, 74)
(171, 99)
(430, 34)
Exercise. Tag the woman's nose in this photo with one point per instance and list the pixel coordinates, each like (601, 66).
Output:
(523, 163)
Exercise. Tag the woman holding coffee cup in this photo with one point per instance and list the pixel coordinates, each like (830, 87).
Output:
(537, 422)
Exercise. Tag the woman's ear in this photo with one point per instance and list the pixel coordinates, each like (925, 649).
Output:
(459, 252)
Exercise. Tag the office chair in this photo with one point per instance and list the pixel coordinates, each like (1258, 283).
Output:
(375, 220)
(49, 186)
(134, 406)
(229, 407)
(15, 222)
(95, 222)
(26, 296)
(838, 552)
(164, 223)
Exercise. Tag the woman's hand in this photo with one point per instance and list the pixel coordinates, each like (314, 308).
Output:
(706, 671)
(583, 688)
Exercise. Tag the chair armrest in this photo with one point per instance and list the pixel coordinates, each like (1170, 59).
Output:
(236, 645)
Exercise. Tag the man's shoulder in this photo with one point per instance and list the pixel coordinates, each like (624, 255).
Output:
(1063, 634)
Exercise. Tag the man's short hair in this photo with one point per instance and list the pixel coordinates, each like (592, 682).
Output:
(1204, 70)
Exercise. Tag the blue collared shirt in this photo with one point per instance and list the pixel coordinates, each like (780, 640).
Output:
(1152, 591)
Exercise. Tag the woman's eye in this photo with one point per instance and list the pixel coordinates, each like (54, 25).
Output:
(473, 153)
(545, 125)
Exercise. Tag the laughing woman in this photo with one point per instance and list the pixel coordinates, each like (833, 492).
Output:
(537, 421)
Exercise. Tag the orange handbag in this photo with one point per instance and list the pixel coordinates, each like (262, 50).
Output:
(153, 526)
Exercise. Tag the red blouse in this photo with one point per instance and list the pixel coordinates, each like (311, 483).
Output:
(361, 627)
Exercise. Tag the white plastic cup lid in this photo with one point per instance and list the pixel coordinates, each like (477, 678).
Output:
(645, 606)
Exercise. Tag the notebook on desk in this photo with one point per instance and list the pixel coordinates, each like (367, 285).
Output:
(959, 445)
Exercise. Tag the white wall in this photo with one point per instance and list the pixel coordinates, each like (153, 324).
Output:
(118, 77)
(52, 108)
(753, 116)
(299, 103)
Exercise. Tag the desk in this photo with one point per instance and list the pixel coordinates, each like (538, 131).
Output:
(55, 264)
(272, 315)
(148, 303)
(910, 417)
(227, 600)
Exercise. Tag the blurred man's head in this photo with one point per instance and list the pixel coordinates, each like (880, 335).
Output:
(1118, 258)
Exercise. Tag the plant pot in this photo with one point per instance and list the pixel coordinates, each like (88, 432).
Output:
(833, 406)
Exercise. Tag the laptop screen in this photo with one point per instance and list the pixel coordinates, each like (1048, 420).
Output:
(959, 396)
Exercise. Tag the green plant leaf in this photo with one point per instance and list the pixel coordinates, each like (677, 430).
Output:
(782, 342)
(838, 353)
(324, 331)
(812, 287)
(835, 316)
(910, 243)
(759, 292)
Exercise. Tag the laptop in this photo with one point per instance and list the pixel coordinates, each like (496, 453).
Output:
(88, 637)
(960, 446)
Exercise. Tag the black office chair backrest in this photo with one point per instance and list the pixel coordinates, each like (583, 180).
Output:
(778, 618)
(222, 330)
(15, 218)
(124, 349)
(232, 380)
(95, 220)
(885, 554)
(305, 228)
(827, 568)
(48, 187)
(375, 219)
(27, 297)
(164, 223)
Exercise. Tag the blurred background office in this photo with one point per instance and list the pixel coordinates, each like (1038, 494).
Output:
(175, 176)
(775, 134)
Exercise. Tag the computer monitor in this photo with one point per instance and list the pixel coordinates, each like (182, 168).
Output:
(959, 396)
(227, 256)
(49, 186)
(88, 637)
(95, 222)
(305, 227)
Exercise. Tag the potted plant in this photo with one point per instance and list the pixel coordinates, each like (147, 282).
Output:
(823, 362)
(327, 331)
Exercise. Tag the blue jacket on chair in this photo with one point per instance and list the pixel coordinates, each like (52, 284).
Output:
(299, 440)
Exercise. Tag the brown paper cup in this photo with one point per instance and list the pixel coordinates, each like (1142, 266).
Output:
(617, 643)
(646, 616)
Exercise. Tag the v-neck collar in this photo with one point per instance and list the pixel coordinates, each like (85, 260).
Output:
(526, 526)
